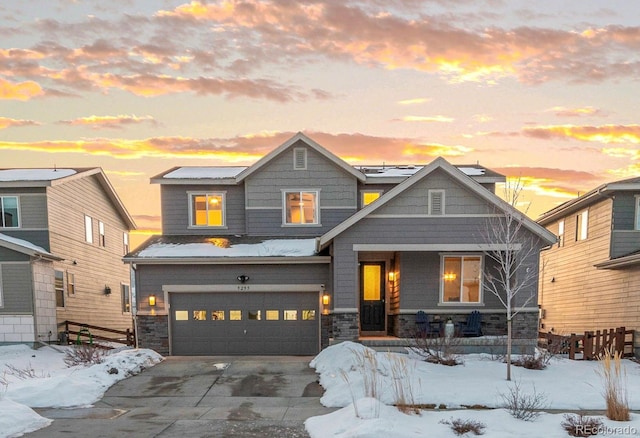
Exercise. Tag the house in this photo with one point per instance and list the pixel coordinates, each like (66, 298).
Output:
(301, 249)
(63, 233)
(591, 278)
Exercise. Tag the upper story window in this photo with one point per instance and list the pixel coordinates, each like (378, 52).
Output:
(301, 207)
(436, 202)
(126, 298)
(368, 196)
(582, 225)
(101, 234)
(59, 288)
(207, 209)
(9, 212)
(461, 279)
(561, 233)
(125, 242)
(299, 158)
(88, 229)
(71, 283)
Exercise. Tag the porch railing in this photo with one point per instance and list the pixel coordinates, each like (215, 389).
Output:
(81, 333)
(590, 345)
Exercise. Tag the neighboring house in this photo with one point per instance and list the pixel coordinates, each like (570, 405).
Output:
(63, 233)
(591, 277)
(302, 249)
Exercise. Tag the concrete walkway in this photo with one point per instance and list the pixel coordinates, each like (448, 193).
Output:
(201, 397)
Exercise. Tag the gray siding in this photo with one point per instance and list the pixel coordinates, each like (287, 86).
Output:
(624, 211)
(269, 223)
(16, 288)
(39, 238)
(624, 243)
(175, 210)
(8, 255)
(33, 206)
(95, 266)
(151, 278)
(415, 200)
(264, 188)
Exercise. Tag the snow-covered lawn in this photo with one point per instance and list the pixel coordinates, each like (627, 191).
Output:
(56, 385)
(350, 372)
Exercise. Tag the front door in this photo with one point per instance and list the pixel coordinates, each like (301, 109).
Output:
(372, 313)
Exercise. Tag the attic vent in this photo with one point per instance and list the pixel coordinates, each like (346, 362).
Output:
(299, 158)
(436, 202)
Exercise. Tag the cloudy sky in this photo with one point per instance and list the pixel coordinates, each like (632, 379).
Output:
(547, 91)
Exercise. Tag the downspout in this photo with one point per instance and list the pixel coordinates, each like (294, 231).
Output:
(134, 300)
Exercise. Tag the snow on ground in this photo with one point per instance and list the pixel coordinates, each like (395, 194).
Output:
(350, 373)
(56, 385)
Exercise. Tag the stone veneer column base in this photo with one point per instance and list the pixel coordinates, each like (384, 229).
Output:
(345, 327)
(153, 333)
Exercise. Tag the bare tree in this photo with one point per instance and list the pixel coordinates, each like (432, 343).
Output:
(513, 277)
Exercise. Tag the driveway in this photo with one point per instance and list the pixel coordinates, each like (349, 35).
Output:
(201, 397)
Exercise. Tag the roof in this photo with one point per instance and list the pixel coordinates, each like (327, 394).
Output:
(234, 249)
(398, 173)
(301, 137)
(25, 247)
(199, 175)
(458, 175)
(600, 192)
(43, 177)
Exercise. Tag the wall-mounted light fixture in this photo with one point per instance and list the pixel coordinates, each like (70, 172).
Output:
(152, 300)
(553, 279)
(243, 278)
(392, 276)
(107, 290)
(325, 299)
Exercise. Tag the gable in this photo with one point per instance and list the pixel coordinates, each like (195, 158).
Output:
(300, 166)
(436, 194)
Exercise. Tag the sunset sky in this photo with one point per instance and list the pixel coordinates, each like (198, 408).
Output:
(548, 91)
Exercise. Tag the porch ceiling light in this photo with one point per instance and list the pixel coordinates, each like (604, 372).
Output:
(152, 300)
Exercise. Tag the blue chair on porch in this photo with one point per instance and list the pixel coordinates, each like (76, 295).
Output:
(425, 326)
(473, 326)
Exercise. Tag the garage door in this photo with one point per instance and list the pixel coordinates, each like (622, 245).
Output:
(269, 323)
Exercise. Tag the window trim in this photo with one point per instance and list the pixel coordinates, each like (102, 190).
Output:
(122, 286)
(88, 229)
(582, 225)
(17, 208)
(102, 239)
(317, 222)
(636, 225)
(430, 201)
(71, 283)
(222, 194)
(363, 192)
(295, 156)
(125, 242)
(1, 290)
(561, 232)
(55, 289)
(480, 301)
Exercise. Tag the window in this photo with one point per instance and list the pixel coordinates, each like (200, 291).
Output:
(561, 233)
(199, 315)
(9, 212)
(88, 229)
(582, 224)
(59, 288)
(102, 242)
(368, 196)
(235, 315)
(255, 315)
(637, 223)
(436, 202)
(217, 315)
(461, 279)
(71, 283)
(182, 315)
(299, 158)
(308, 315)
(290, 315)
(272, 315)
(125, 242)
(126, 298)
(207, 209)
(301, 208)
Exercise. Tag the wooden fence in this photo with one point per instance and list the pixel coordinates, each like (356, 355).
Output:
(80, 333)
(589, 345)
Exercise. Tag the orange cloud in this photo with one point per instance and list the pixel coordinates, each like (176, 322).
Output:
(6, 122)
(576, 112)
(19, 90)
(428, 119)
(550, 182)
(108, 122)
(601, 134)
(415, 101)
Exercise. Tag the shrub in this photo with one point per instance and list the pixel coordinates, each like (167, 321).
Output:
(460, 426)
(524, 406)
(84, 355)
(615, 391)
(28, 372)
(531, 361)
(579, 425)
(441, 350)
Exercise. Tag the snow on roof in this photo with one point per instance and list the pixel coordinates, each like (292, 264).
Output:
(218, 247)
(472, 171)
(404, 171)
(205, 172)
(23, 243)
(34, 174)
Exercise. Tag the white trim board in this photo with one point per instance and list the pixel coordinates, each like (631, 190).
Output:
(433, 247)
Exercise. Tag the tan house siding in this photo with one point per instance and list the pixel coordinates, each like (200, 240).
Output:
(94, 266)
(574, 295)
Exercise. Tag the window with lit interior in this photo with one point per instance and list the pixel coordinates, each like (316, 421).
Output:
(461, 279)
(9, 212)
(207, 209)
(301, 208)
